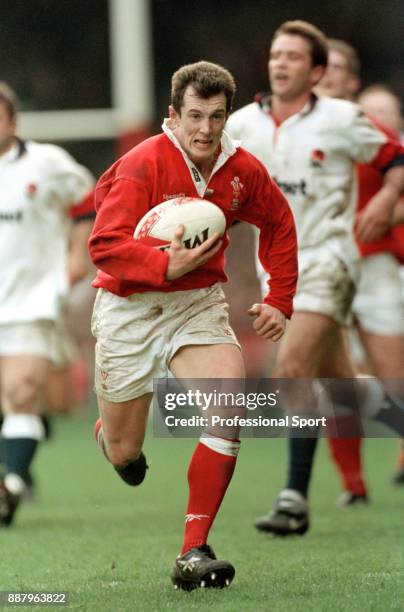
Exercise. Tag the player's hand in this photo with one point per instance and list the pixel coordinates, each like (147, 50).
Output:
(183, 260)
(374, 220)
(270, 323)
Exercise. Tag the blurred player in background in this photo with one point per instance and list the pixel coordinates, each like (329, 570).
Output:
(39, 183)
(378, 305)
(310, 144)
(67, 383)
(158, 309)
(380, 102)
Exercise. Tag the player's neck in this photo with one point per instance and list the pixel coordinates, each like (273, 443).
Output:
(283, 109)
(206, 168)
(5, 147)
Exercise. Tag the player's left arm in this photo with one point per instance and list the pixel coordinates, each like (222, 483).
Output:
(269, 210)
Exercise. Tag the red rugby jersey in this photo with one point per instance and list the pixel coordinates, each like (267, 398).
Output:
(154, 171)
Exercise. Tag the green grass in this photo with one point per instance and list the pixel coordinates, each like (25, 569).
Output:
(112, 547)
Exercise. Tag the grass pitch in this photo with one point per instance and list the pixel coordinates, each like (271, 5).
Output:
(112, 547)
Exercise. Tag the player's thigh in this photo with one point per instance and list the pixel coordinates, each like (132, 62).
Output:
(131, 344)
(204, 344)
(208, 361)
(337, 361)
(22, 382)
(386, 355)
(124, 423)
(304, 345)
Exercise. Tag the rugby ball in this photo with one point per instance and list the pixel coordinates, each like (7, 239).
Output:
(199, 217)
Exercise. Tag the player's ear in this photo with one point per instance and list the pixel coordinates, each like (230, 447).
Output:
(172, 113)
(354, 85)
(317, 73)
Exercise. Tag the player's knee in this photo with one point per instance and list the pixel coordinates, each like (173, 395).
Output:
(291, 368)
(21, 395)
(121, 452)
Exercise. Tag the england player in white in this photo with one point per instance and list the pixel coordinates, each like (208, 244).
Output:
(38, 184)
(310, 145)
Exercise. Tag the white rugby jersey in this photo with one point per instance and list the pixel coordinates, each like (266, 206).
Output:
(311, 155)
(38, 182)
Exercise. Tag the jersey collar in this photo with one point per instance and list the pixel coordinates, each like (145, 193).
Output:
(17, 150)
(264, 100)
(228, 148)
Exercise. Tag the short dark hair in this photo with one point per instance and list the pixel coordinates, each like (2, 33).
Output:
(8, 97)
(315, 37)
(349, 52)
(206, 78)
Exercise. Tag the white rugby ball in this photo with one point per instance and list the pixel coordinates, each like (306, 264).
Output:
(199, 217)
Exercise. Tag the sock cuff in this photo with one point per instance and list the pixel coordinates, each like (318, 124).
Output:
(14, 484)
(23, 426)
(221, 445)
(372, 401)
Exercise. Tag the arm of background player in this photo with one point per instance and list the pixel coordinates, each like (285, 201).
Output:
(398, 214)
(373, 144)
(79, 263)
(120, 204)
(374, 220)
(83, 215)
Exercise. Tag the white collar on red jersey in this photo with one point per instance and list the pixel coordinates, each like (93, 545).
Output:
(228, 147)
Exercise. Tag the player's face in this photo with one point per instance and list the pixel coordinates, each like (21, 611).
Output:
(338, 82)
(291, 73)
(200, 125)
(7, 129)
(383, 106)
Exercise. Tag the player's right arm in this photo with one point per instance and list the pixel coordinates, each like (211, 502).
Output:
(183, 260)
(120, 203)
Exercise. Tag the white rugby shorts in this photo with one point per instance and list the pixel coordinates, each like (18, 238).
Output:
(325, 285)
(28, 338)
(137, 336)
(379, 302)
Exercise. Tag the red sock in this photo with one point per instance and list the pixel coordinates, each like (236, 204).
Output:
(209, 474)
(346, 453)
